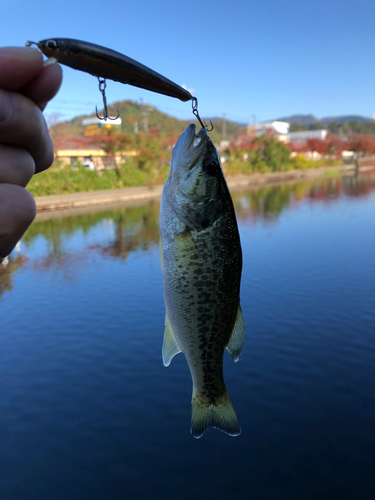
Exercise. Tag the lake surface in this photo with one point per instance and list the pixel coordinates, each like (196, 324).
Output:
(87, 409)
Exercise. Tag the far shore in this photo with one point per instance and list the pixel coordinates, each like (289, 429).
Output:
(116, 196)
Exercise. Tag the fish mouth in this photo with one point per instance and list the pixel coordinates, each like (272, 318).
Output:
(193, 140)
(188, 149)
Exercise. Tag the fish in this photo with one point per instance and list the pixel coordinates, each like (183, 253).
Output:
(201, 262)
(109, 64)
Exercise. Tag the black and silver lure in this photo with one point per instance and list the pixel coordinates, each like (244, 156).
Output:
(106, 63)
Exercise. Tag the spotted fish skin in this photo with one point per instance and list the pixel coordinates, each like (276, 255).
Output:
(201, 261)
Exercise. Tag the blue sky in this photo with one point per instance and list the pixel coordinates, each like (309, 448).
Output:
(267, 58)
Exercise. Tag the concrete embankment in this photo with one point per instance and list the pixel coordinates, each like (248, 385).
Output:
(79, 200)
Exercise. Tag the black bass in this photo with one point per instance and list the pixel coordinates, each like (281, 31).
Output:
(201, 260)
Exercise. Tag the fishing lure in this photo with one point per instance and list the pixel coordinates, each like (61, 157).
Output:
(108, 64)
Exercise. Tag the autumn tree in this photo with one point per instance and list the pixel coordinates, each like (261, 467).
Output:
(318, 145)
(336, 144)
(113, 142)
(362, 143)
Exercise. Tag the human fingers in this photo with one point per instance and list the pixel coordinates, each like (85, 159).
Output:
(17, 166)
(19, 65)
(17, 211)
(23, 70)
(22, 125)
(45, 85)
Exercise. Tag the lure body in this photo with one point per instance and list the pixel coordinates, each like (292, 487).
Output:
(109, 64)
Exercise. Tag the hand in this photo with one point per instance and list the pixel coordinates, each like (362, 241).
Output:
(26, 86)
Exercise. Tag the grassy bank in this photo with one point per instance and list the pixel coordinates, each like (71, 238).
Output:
(299, 162)
(64, 180)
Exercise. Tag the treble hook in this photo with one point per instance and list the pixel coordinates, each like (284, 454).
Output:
(194, 104)
(105, 117)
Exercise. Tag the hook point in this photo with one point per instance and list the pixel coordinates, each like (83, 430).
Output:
(209, 129)
(196, 114)
(100, 117)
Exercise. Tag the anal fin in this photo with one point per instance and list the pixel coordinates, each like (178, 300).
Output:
(170, 346)
(237, 340)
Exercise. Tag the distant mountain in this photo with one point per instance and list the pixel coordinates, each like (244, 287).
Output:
(294, 119)
(346, 119)
(311, 119)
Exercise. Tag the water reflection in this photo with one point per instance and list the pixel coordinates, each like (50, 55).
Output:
(136, 228)
(133, 229)
(8, 269)
(268, 202)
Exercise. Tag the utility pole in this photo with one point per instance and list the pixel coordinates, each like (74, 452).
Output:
(145, 121)
(145, 112)
(224, 128)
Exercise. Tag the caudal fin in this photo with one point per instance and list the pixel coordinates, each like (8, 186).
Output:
(221, 416)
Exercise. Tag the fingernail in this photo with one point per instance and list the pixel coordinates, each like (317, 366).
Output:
(49, 61)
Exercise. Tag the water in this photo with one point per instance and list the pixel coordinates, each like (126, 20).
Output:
(87, 410)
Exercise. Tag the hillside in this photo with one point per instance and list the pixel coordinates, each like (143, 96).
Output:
(133, 114)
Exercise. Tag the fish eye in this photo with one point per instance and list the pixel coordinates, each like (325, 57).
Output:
(210, 166)
(51, 44)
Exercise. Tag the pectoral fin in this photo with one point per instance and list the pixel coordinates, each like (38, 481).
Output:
(170, 346)
(237, 339)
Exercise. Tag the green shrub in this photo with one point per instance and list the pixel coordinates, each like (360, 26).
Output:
(299, 162)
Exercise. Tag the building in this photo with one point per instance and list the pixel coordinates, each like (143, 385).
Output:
(281, 128)
(302, 137)
(93, 159)
(72, 149)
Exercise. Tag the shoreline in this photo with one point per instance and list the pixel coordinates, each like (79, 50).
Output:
(61, 202)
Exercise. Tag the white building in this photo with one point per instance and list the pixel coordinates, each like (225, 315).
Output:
(281, 128)
(307, 134)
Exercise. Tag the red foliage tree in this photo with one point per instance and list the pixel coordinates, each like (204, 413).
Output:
(297, 147)
(362, 143)
(336, 144)
(318, 145)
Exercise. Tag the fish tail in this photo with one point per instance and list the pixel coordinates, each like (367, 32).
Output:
(220, 415)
